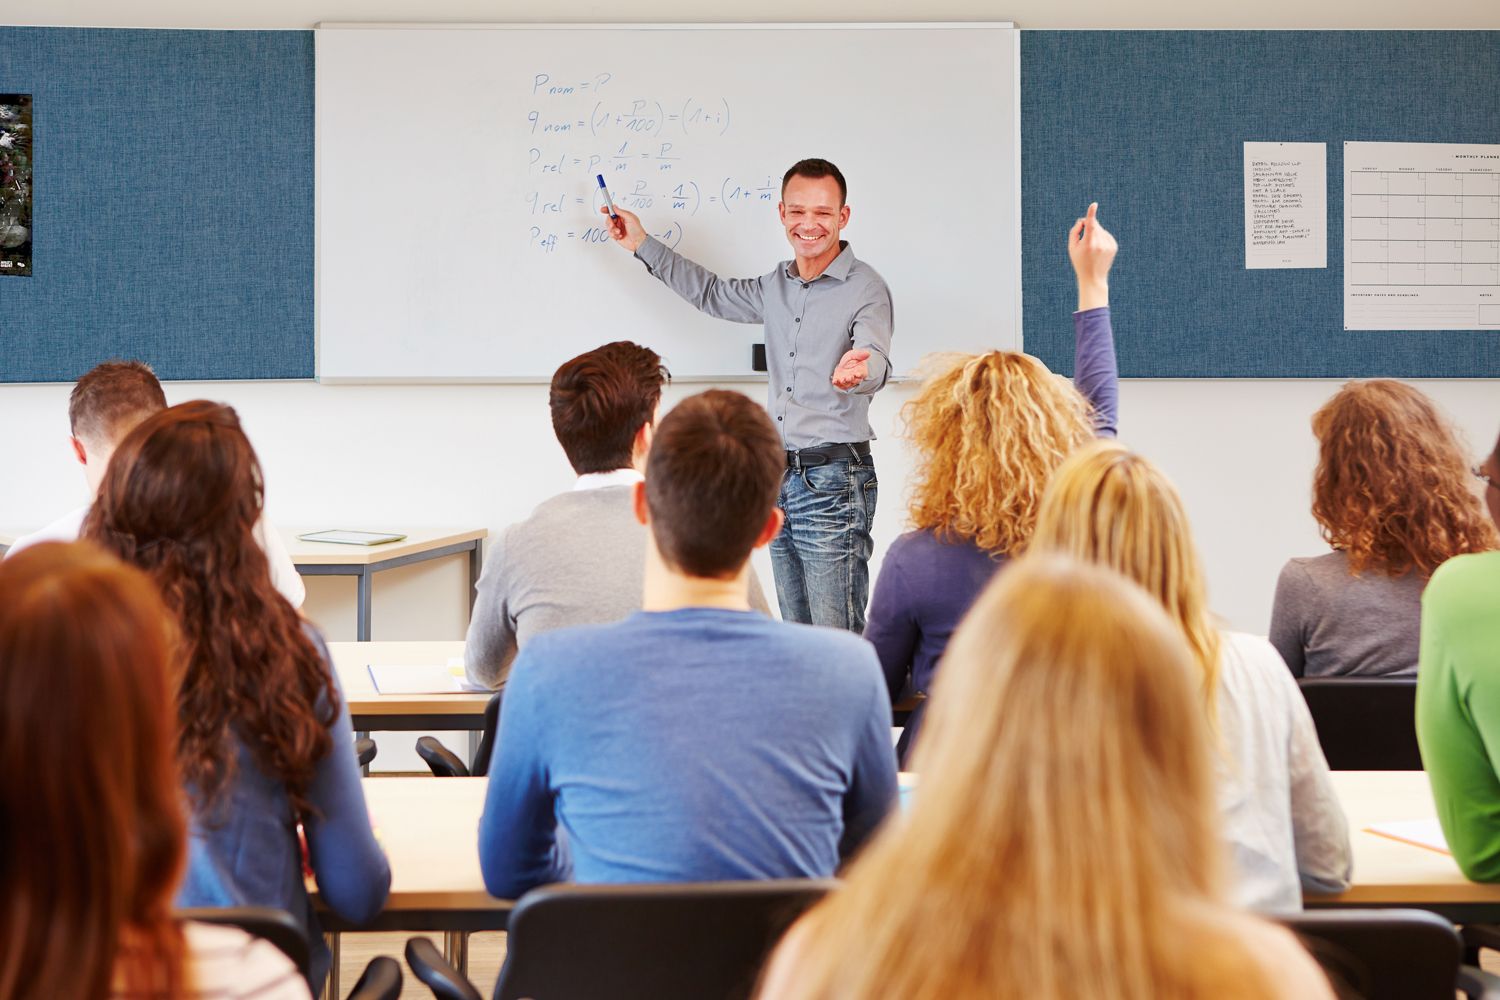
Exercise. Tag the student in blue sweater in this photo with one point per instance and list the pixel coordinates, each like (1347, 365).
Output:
(263, 740)
(696, 739)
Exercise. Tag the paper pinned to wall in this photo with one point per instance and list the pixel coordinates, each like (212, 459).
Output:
(1286, 204)
(1421, 236)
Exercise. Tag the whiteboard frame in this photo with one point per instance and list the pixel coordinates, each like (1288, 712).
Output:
(759, 378)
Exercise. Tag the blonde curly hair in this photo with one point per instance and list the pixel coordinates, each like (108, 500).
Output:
(988, 431)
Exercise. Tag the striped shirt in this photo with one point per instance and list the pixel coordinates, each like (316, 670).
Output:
(225, 963)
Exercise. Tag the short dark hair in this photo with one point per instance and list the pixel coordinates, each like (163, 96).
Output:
(815, 168)
(712, 477)
(110, 399)
(600, 399)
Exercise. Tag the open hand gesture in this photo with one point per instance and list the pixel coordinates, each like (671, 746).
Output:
(851, 369)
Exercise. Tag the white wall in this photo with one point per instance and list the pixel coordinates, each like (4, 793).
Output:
(399, 456)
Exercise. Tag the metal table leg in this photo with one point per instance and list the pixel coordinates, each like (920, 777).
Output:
(362, 611)
(331, 985)
(456, 950)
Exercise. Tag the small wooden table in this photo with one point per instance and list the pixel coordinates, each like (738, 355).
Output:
(364, 561)
(1392, 873)
(404, 712)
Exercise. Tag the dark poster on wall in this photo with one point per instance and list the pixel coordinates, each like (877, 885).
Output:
(16, 149)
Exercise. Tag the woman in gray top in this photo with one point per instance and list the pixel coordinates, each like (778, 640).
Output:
(1392, 496)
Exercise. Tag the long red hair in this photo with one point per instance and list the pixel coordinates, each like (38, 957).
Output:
(1392, 488)
(92, 833)
(181, 500)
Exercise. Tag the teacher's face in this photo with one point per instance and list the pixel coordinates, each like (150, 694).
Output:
(813, 213)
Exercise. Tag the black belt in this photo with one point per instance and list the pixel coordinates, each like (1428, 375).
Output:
(825, 453)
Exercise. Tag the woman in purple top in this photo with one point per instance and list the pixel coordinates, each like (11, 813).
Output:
(989, 432)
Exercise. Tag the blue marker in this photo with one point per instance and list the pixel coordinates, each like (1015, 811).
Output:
(607, 202)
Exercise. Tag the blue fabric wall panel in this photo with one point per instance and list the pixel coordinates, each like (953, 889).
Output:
(174, 203)
(1151, 124)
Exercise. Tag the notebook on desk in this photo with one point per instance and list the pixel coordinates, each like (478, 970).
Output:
(420, 678)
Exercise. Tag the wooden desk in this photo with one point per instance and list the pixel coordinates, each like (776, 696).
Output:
(429, 828)
(1390, 873)
(373, 711)
(364, 561)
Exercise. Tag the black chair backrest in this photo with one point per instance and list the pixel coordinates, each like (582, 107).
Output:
(486, 748)
(441, 761)
(274, 926)
(433, 971)
(704, 941)
(381, 980)
(1365, 723)
(1382, 954)
(365, 751)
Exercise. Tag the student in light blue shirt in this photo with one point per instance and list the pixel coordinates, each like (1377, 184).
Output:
(696, 740)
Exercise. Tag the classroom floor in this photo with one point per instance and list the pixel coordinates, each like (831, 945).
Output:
(486, 952)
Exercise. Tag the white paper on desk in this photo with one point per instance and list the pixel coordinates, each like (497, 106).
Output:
(1286, 204)
(425, 678)
(1426, 833)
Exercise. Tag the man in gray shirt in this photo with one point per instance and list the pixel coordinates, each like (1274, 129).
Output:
(828, 324)
(580, 558)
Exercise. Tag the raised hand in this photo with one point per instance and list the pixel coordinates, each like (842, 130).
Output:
(1092, 250)
(626, 229)
(851, 369)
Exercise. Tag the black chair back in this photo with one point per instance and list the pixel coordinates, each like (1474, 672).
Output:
(274, 926)
(1382, 954)
(486, 748)
(365, 751)
(1365, 723)
(441, 761)
(381, 980)
(700, 941)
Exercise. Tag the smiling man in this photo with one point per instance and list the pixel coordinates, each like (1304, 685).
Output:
(828, 322)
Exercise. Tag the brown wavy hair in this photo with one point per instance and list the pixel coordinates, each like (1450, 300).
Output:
(92, 834)
(1392, 485)
(181, 500)
(988, 432)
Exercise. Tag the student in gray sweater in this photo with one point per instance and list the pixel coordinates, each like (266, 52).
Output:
(1392, 496)
(579, 558)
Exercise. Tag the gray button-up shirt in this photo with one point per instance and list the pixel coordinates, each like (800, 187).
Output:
(809, 326)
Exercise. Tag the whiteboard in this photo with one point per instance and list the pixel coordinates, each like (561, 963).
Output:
(459, 237)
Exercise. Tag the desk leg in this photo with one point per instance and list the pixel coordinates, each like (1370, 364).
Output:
(360, 734)
(456, 950)
(476, 567)
(362, 612)
(474, 737)
(331, 985)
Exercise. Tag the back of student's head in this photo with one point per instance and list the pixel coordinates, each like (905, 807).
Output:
(988, 431)
(91, 824)
(1392, 484)
(112, 398)
(1063, 840)
(601, 399)
(712, 477)
(1108, 505)
(181, 499)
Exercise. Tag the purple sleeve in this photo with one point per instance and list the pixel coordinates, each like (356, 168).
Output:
(1095, 370)
(890, 627)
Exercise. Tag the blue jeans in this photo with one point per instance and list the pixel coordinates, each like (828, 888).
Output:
(821, 557)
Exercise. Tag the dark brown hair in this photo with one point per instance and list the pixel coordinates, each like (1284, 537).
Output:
(599, 401)
(815, 168)
(181, 499)
(112, 398)
(92, 834)
(711, 481)
(1392, 486)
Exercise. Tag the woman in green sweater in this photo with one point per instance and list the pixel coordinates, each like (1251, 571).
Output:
(1458, 696)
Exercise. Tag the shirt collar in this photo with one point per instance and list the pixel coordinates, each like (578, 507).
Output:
(839, 269)
(599, 480)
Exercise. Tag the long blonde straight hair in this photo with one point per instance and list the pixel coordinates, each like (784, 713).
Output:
(1108, 505)
(1064, 840)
